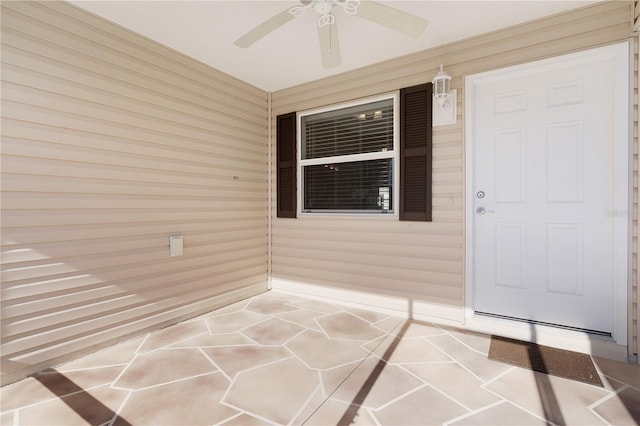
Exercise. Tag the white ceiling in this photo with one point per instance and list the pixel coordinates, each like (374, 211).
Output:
(206, 29)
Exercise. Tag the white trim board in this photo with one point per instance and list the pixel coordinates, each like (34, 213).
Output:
(619, 53)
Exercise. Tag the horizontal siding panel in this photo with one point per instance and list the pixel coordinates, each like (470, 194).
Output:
(338, 255)
(78, 121)
(392, 251)
(63, 201)
(138, 275)
(96, 110)
(427, 240)
(424, 287)
(111, 143)
(77, 133)
(50, 267)
(59, 218)
(152, 105)
(110, 172)
(16, 253)
(234, 190)
(31, 149)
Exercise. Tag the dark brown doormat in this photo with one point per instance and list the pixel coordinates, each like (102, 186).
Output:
(557, 362)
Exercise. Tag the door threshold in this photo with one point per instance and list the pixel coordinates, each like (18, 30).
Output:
(599, 345)
(547, 324)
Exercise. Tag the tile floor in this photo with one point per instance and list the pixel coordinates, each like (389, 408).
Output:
(282, 359)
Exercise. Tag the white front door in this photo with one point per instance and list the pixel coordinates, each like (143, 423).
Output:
(547, 186)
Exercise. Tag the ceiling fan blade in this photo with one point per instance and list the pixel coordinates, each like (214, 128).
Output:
(393, 18)
(329, 45)
(263, 29)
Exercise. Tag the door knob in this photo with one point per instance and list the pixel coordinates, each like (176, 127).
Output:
(481, 210)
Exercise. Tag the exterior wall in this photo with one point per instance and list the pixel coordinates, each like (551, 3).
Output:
(111, 143)
(411, 265)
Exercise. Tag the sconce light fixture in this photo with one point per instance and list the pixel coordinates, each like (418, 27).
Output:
(445, 98)
(441, 86)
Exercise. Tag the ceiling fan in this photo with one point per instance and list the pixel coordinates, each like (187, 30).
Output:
(327, 29)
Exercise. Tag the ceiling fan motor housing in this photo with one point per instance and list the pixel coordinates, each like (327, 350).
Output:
(323, 6)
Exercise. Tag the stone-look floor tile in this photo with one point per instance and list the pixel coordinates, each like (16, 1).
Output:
(380, 345)
(207, 340)
(194, 401)
(318, 306)
(456, 382)
(623, 409)
(272, 332)
(625, 373)
(425, 406)
(419, 329)
(366, 315)
(232, 360)
(503, 414)
(25, 392)
(375, 383)
(560, 401)
(276, 392)
(333, 378)
(477, 363)
(170, 335)
(119, 354)
(390, 324)
(317, 351)
(346, 326)
(303, 317)
(235, 321)
(245, 420)
(312, 405)
(270, 306)
(331, 412)
(94, 407)
(411, 351)
(164, 366)
(476, 341)
(6, 419)
(73, 381)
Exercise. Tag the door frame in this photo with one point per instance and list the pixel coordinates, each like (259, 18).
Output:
(619, 52)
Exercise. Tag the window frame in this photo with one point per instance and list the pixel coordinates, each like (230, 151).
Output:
(394, 155)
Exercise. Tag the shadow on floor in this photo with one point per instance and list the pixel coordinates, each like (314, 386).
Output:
(352, 412)
(86, 406)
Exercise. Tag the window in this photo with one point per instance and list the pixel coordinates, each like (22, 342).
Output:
(348, 157)
(372, 157)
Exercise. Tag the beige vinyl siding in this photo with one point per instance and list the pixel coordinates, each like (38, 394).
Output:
(110, 144)
(417, 261)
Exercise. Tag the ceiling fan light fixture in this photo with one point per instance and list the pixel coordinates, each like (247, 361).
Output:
(325, 7)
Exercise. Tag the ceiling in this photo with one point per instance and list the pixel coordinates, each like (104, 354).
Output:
(206, 29)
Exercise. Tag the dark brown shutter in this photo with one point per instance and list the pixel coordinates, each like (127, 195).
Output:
(286, 164)
(415, 152)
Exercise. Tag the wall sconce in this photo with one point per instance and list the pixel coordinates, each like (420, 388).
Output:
(445, 98)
